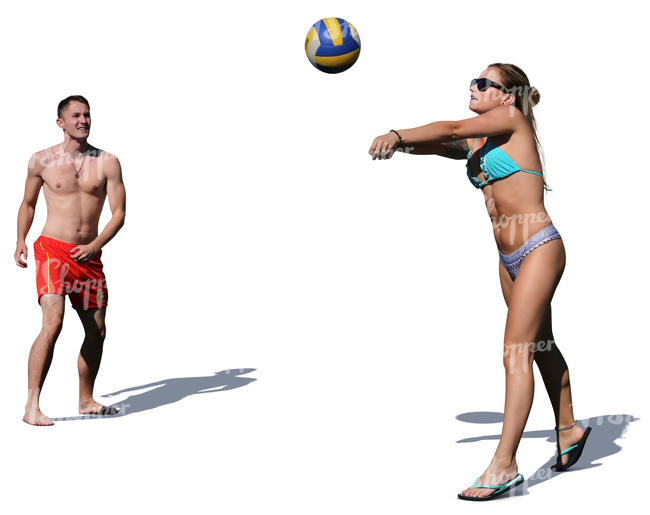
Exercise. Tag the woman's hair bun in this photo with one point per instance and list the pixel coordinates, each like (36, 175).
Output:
(533, 95)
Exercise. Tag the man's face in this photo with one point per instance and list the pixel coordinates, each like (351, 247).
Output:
(75, 120)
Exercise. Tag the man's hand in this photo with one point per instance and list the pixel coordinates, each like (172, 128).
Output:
(384, 146)
(21, 250)
(83, 253)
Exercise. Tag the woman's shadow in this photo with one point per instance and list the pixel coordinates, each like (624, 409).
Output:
(169, 391)
(605, 430)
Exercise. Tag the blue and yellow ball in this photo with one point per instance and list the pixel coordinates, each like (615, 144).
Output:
(332, 45)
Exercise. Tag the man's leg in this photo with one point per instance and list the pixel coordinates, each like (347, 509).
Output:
(90, 357)
(40, 356)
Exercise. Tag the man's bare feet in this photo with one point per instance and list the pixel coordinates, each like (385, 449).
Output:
(36, 418)
(498, 472)
(93, 407)
(567, 438)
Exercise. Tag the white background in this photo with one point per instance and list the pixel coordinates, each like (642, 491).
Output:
(364, 294)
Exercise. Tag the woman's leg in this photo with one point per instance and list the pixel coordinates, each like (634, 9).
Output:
(537, 279)
(555, 374)
(553, 369)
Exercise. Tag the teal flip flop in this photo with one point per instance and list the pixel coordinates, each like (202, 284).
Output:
(498, 489)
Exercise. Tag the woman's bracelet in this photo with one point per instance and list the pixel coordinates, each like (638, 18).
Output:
(398, 136)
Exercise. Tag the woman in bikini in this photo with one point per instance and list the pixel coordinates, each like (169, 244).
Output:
(498, 143)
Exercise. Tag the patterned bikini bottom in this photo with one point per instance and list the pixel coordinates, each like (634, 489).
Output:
(513, 261)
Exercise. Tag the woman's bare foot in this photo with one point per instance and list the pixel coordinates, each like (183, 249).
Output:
(36, 418)
(499, 471)
(567, 438)
(92, 407)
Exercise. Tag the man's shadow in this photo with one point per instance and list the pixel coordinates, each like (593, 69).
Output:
(605, 430)
(171, 390)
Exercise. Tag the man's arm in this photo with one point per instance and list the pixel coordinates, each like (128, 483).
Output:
(28, 207)
(116, 200)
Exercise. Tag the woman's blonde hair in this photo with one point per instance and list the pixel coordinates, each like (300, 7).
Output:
(526, 96)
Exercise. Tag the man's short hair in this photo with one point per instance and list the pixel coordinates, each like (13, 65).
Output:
(64, 103)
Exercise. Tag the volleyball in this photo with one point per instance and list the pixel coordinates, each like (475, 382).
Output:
(332, 45)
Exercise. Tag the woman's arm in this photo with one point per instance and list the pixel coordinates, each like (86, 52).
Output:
(452, 149)
(500, 120)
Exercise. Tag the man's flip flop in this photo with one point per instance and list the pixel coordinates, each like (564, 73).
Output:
(498, 489)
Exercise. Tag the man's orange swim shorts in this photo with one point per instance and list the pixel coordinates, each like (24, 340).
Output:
(57, 272)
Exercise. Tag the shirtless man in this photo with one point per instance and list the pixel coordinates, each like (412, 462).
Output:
(76, 178)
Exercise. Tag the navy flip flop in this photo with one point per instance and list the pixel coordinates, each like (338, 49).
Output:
(573, 452)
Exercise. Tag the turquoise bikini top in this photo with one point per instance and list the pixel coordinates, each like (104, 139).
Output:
(495, 163)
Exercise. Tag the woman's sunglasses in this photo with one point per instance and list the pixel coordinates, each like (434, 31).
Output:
(484, 84)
